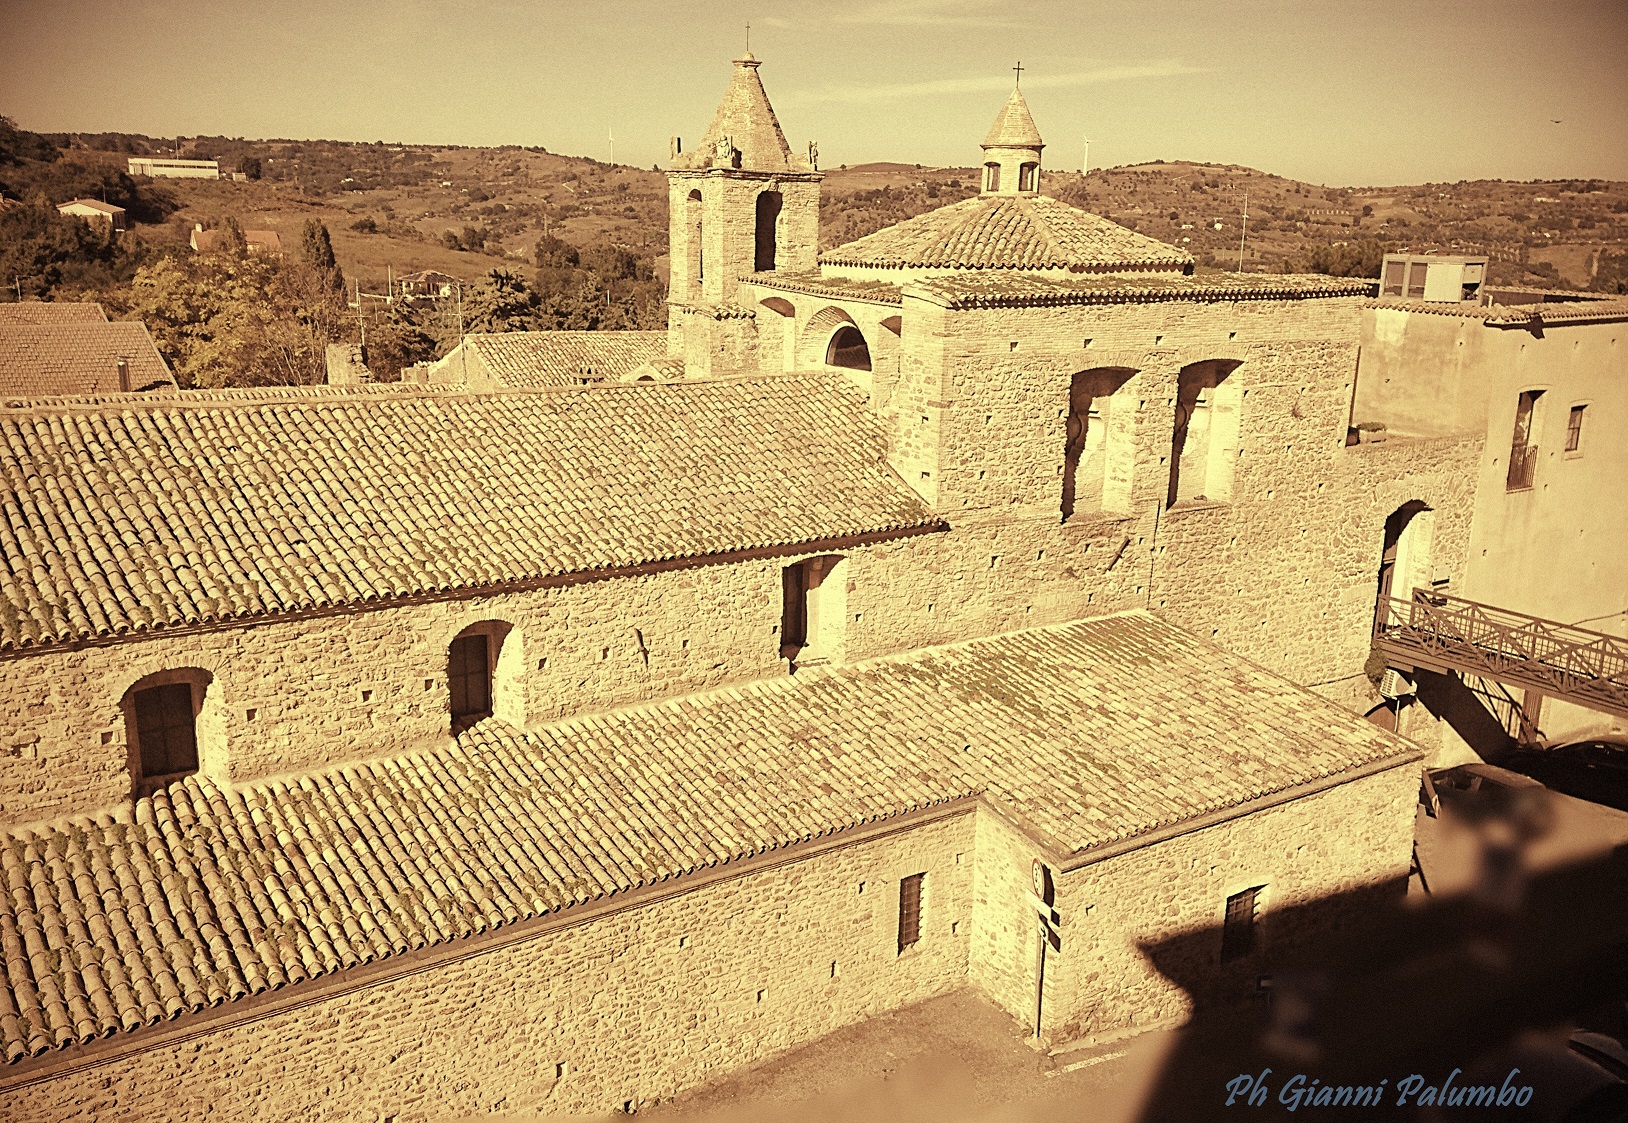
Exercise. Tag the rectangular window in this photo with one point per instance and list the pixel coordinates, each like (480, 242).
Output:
(793, 609)
(1523, 446)
(992, 177)
(165, 734)
(910, 910)
(469, 676)
(1393, 278)
(1574, 429)
(1416, 280)
(1238, 928)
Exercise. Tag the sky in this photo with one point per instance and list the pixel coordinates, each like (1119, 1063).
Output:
(1353, 93)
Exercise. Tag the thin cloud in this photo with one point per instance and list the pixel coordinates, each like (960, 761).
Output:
(992, 83)
(938, 13)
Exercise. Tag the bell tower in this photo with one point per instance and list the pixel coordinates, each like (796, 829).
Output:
(1012, 150)
(739, 203)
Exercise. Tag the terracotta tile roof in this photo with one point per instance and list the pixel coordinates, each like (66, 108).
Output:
(127, 517)
(1014, 126)
(1582, 310)
(197, 894)
(42, 312)
(664, 369)
(842, 288)
(986, 290)
(744, 125)
(528, 359)
(259, 241)
(1009, 232)
(76, 357)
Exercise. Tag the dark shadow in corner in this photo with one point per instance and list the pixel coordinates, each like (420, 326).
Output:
(1360, 987)
(1448, 698)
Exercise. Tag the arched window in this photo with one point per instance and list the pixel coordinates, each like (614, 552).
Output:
(161, 725)
(1204, 438)
(1027, 174)
(694, 253)
(1099, 447)
(814, 613)
(768, 221)
(848, 349)
(992, 177)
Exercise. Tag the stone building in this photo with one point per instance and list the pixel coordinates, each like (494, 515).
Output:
(970, 607)
(1542, 375)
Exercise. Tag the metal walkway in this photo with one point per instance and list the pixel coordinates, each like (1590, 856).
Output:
(1442, 633)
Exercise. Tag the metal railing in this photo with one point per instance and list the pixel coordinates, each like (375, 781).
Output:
(1558, 661)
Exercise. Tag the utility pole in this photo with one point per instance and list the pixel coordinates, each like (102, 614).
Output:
(1244, 234)
(463, 352)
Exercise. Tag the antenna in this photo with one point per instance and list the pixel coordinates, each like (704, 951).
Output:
(748, 38)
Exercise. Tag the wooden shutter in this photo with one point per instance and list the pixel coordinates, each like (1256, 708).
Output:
(910, 910)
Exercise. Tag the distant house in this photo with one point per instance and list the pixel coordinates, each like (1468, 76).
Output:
(53, 354)
(260, 241)
(529, 359)
(94, 211)
(426, 283)
(166, 168)
(40, 312)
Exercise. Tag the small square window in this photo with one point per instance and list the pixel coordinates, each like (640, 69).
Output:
(1238, 926)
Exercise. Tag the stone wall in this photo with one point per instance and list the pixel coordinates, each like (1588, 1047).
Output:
(1285, 578)
(1137, 926)
(640, 1004)
(635, 1006)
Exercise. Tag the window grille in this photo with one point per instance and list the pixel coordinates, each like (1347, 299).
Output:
(1238, 927)
(910, 910)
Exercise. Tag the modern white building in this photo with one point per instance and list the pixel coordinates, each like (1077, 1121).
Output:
(174, 169)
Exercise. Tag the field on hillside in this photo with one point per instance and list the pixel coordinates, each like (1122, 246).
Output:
(399, 208)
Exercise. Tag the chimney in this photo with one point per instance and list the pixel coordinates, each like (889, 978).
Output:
(124, 374)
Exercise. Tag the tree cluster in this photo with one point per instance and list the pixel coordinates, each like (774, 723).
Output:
(229, 318)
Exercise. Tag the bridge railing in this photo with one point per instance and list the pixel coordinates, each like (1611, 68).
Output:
(1555, 659)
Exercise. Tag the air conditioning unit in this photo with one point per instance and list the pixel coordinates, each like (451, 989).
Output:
(1394, 684)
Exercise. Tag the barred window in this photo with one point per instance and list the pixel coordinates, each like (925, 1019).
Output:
(1238, 927)
(910, 910)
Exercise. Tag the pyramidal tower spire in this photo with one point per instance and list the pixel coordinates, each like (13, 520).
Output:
(739, 203)
(745, 134)
(1012, 150)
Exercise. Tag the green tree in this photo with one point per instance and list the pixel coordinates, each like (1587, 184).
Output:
(222, 319)
(501, 301)
(42, 251)
(1347, 259)
(17, 145)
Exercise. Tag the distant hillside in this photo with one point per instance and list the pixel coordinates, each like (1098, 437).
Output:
(400, 208)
